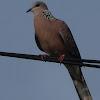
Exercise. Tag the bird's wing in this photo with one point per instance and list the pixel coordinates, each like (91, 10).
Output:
(74, 70)
(68, 40)
(38, 43)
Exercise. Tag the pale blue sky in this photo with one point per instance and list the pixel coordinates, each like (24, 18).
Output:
(34, 80)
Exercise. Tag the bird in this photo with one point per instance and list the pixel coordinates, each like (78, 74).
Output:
(54, 37)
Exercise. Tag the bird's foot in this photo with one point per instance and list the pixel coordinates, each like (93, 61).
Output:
(43, 56)
(61, 58)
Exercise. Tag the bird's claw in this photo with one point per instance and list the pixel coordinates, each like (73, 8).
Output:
(61, 58)
(43, 56)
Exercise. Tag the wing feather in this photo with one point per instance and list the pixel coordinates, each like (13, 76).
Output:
(69, 41)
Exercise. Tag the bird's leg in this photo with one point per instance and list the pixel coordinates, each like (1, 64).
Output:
(61, 58)
(43, 56)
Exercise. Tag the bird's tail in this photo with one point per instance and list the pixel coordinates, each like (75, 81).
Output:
(79, 82)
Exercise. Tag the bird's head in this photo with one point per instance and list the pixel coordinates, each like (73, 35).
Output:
(37, 6)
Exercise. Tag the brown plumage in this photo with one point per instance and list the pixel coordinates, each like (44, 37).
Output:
(54, 37)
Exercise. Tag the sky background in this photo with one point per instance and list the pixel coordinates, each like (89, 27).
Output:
(22, 79)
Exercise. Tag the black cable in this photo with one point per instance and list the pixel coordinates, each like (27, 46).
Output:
(85, 62)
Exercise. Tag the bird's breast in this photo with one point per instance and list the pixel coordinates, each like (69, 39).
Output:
(48, 36)
(51, 44)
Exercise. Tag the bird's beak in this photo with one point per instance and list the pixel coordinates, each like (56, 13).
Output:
(29, 10)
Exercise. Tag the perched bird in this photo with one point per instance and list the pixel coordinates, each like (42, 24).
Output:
(54, 37)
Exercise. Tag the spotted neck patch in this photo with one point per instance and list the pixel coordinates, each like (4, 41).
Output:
(47, 14)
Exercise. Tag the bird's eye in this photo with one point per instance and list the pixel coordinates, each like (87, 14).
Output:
(37, 5)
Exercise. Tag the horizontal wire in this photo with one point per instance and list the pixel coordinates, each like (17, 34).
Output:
(80, 62)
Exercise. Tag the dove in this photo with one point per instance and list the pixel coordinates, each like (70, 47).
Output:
(54, 37)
